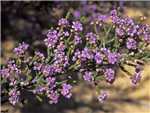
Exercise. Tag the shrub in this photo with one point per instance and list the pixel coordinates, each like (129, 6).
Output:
(92, 50)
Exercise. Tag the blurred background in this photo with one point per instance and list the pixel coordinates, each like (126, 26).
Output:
(28, 21)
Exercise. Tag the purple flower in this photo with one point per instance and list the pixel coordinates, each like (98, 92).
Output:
(14, 96)
(77, 54)
(77, 26)
(136, 78)
(51, 82)
(103, 96)
(60, 59)
(128, 22)
(91, 37)
(98, 58)
(120, 32)
(131, 43)
(88, 76)
(5, 72)
(147, 38)
(65, 91)
(109, 75)
(116, 20)
(60, 48)
(105, 51)
(57, 68)
(86, 54)
(113, 12)
(20, 50)
(48, 70)
(53, 96)
(113, 57)
(39, 55)
(66, 33)
(52, 38)
(133, 31)
(37, 66)
(13, 68)
(77, 40)
(63, 22)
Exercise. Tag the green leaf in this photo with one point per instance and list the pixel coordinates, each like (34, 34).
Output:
(39, 98)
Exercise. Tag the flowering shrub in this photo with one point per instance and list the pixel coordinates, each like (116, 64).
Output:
(93, 51)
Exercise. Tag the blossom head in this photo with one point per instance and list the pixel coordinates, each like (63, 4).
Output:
(91, 37)
(20, 50)
(77, 26)
(63, 22)
(113, 57)
(88, 76)
(109, 75)
(52, 38)
(14, 96)
(65, 91)
(98, 58)
(102, 96)
(131, 43)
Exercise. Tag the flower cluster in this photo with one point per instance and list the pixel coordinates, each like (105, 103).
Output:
(14, 96)
(63, 22)
(65, 91)
(94, 53)
(103, 96)
(20, 50)
(88, 76)
(77, 26)
(52, 38)
(91, 37)
(109, 75)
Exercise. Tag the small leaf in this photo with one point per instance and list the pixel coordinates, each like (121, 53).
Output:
(39, 98)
